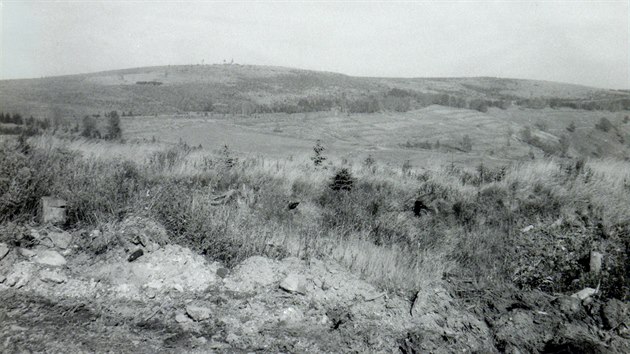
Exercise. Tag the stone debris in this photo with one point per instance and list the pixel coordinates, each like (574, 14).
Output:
(2, 279)
(50, 258)
(616, 313)
(198, 313)
(291, 315)
(49, 276)
(4, 250)
(569, 305)
(61, 239)
(26, 252)
(293, 283)
(222, 272)
(182, 318)
(21, 275)
(585, 293)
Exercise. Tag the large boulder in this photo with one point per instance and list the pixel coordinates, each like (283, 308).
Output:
(50, 258)
(293, 283)
(198, 313)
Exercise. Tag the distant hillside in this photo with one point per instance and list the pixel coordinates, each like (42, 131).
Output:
(248, 90)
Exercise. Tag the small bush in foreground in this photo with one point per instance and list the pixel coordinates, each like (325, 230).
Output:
(342, 180)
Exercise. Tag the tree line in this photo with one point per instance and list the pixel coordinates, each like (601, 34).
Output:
(88, 127)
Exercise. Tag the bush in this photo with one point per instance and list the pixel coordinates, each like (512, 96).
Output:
(318, 150)
(604, 125)
(114, 131)
(342, 180)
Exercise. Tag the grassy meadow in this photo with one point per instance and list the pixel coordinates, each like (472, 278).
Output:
(470, 226)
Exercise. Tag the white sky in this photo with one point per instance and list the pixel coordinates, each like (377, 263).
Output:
(584, 42)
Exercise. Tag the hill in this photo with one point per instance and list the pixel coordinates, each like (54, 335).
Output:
(246, 89)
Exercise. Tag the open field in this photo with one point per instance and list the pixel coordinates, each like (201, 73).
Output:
(384, 135)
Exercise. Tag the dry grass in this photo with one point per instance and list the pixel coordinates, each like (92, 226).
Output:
(472, 230)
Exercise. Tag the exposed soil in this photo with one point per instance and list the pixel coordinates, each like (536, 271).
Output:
(170, 299)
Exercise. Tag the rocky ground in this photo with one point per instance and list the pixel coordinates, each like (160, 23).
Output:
(137, 294)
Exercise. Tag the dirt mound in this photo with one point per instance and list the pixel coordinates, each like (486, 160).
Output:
(181, 301)
(168, 268)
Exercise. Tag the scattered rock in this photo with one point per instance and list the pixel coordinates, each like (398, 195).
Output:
(291, 315)
(585, 293)
(21, 275)
(41, 239)
(198, 313)
(49, 257)
(317, 282)
(4, 250)
(293, 283)
(26, 252)
(52, 277)
(199, 340)
(222, 272)
(569, 305)
(60, 239)
(254, 272)
(178, 287)
(135, 255)
(181, 318)
(2, 279)
(527, 228)
(616, 313)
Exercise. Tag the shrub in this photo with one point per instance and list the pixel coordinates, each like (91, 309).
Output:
(604, 125)
(114, 132)
(89, 127)
(228, 157)
(369, 161)
(342, 180)
(318, 149)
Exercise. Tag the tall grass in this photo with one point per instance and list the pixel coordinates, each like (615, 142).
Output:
(471, 228)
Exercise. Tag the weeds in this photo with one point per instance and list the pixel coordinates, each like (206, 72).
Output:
(363, 219)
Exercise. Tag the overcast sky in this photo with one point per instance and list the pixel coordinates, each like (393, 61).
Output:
(583, 42)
